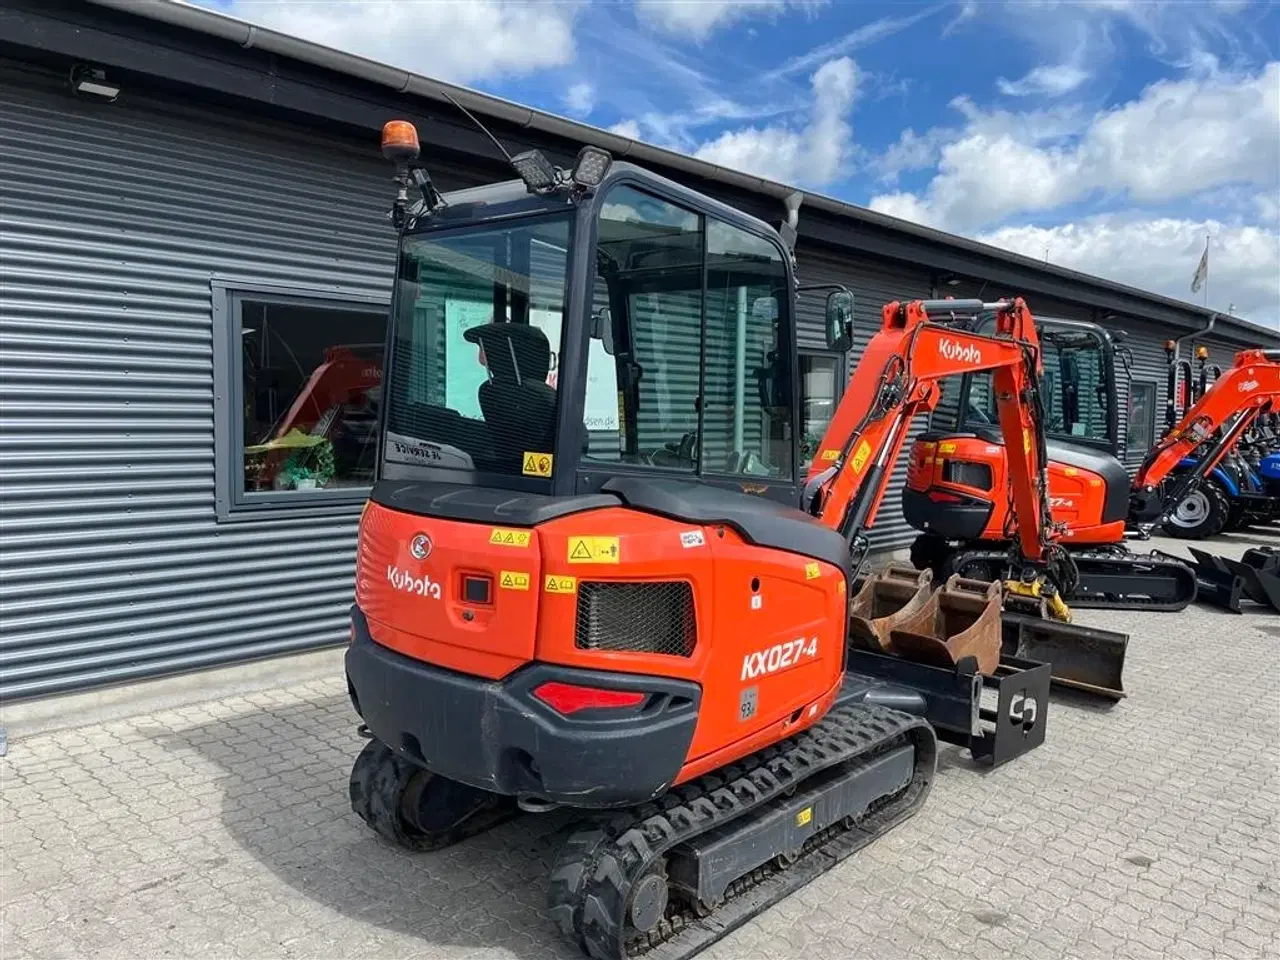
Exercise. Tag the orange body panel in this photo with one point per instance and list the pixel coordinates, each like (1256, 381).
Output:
(416, 607)
(766, 619)
(1076, 496)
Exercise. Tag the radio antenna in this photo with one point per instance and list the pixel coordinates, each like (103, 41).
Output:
(472, 118)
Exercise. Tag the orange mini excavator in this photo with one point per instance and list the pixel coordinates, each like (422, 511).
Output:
(957, 480)
(568, 599)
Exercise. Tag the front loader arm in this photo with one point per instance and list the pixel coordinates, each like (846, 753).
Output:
(898, 378)
(1250, 387)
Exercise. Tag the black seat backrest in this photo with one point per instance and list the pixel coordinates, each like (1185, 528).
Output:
(518, 404)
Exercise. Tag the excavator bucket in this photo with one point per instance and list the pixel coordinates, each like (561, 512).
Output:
(1225, 582)
(960, 620)
(1086, 659)
(884, 601)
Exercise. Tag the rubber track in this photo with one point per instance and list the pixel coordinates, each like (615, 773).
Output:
(378, 780)
(599, 864)
(1097, 563)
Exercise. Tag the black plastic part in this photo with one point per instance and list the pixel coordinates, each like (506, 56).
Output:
(952, 521)
(953, 701)
(496, 735)
(706, 865)
(763, 522)
(475, 504)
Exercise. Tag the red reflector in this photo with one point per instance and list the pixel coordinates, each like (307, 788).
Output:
(939, 497)
(569, 698)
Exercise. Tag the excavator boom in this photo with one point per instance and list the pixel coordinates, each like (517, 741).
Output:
(1249, 388)
(898, 379)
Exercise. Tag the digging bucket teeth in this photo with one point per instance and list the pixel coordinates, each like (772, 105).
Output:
(886, 600)
(960, 620)
(1086, 659)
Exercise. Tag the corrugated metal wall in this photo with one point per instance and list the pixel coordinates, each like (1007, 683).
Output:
(113, 221)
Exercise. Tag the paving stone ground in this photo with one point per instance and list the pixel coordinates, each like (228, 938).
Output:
(1145, 830)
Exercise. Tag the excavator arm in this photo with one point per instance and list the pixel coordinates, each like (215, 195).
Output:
(920, 343)
(1248, 389)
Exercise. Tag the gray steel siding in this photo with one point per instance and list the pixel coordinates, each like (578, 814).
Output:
(873, 284)
(114, 219)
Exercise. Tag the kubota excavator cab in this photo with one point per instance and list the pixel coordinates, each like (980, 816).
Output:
(585, 374)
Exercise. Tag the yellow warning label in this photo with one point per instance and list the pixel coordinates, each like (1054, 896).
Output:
(830, 455)
(1070, 471)
(1095, 482)
(804, 816)
(860, 456)
(946, 448)
(555, 584)
(840, 589)
(502, 537)
(593, 550)
(1026, 441)
(812, 571)
(537, 465)
(513, 580)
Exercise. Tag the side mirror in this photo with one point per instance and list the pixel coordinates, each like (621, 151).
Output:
(602, 329)
(839, 323)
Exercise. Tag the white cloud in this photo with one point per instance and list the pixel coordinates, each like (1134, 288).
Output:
(626, 128)
(1052, 81)
(814, 154)
(1177, 139)
(580, 98)
(456, 40)
(1160, 254)
(862, 36)
(698, 19)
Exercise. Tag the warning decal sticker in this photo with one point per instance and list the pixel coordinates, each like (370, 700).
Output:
(593, 550)
(502, 537)
(558, 584)
(513, 580)
(537, 465)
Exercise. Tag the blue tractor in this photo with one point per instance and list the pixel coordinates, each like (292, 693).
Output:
(1243, 489)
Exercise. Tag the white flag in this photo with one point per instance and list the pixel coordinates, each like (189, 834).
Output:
(1202, 271)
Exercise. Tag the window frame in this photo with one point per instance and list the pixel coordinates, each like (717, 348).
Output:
(591, 474)
(1154, 386)
(232, 502)
(841, 361)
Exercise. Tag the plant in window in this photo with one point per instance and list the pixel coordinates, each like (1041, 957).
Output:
(308, 467)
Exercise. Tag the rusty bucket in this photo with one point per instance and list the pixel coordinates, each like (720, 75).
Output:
(886, 599)
(960, 620)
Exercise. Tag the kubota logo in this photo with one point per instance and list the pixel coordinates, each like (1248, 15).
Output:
(966, 353)
(423, 586)
(1248, 385)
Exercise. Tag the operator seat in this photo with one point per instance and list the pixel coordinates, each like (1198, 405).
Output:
(518, 404)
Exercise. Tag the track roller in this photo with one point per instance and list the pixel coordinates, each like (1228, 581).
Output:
(416, 809)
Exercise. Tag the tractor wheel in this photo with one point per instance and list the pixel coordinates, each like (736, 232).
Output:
(1200, 514)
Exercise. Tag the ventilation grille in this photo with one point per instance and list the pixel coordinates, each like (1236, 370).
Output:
(640, 617)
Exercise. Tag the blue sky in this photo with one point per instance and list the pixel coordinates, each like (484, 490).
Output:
(1113, 136)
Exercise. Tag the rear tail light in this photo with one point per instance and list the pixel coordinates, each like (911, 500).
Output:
(569, 698)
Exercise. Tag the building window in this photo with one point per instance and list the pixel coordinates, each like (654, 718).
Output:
(299, 383)
(1141, 432)
(821, 385)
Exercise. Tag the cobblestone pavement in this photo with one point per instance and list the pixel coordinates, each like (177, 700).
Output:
(1143, 830)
